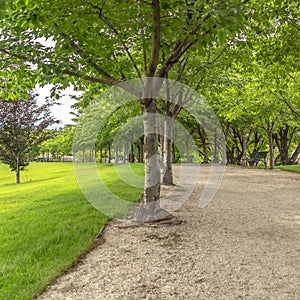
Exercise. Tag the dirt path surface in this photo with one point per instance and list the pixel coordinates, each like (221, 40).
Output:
(244, 245)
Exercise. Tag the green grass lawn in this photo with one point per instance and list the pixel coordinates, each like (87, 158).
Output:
(46, 223)
(292, 168)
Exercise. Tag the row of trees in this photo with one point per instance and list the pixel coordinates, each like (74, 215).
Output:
(155, 40)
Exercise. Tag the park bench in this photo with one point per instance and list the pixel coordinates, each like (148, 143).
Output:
(255, 158)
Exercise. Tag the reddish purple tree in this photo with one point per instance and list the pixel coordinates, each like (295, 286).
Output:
(22, 128)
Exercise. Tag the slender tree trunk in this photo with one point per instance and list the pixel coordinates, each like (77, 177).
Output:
(131, 154)
(116, 154)
(101, 156)
(271, 146)
(162, 146)
(173, 153)
(188, 156)
(244, 150)
(17, 172)
(83, 154)
(109, 154)
(167, 156)
(295, 155)
(203, 142)
(125, 154)
(141, 150)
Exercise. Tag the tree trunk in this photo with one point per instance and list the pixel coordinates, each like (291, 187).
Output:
(101, 156)
(125, 154)
(109, 154)
(17, 172)
(203, 142)
(131, 154)
(162, 146)
(150, 209)
(244, 150)
(141, 150)
(271, 146)
(295, 155)
(167, 155)
(116, 154)
(282, 142)
(188, 156)
(83, 154)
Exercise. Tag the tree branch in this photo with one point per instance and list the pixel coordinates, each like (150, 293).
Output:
(143, 38)
(155, 47)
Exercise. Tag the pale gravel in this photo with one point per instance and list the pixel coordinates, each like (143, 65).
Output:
(244, 245)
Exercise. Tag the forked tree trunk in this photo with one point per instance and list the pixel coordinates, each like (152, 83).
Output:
(167, 156)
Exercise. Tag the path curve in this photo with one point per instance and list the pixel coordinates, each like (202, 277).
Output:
(244, 245)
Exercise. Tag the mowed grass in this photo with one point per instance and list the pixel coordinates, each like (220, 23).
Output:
(46, 223)
(291, 168)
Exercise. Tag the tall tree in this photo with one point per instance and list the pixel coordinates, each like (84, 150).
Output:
(22, 127)
(90, 43)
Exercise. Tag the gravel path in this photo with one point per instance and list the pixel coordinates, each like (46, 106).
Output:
(244, 245)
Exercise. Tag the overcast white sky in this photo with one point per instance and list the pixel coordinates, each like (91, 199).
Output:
(61, 112)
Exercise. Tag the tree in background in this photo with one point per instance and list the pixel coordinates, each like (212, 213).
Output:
(22, 128)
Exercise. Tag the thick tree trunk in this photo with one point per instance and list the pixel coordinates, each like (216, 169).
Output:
(150, 209)
(167, 156)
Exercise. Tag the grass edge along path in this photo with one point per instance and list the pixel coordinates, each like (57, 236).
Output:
(46, 224)
(291, 168)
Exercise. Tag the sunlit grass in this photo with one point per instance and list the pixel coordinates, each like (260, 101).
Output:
(292, 168)
(46, 223)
